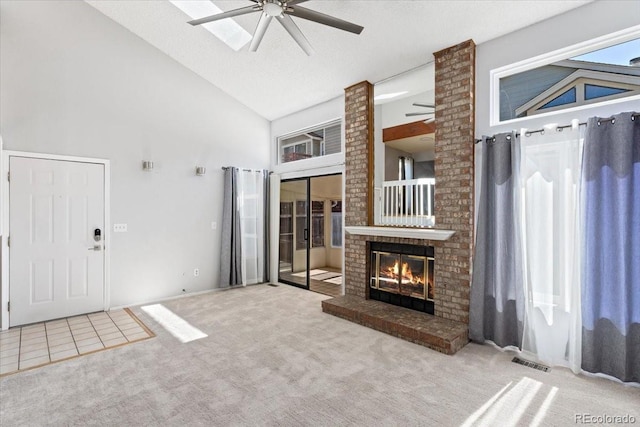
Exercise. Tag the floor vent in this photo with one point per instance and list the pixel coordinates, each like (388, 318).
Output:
(533, 365)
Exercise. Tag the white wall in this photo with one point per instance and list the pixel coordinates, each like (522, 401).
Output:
(578, 25)
(73, 82)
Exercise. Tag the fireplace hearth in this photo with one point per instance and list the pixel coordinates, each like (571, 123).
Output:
(402, 275)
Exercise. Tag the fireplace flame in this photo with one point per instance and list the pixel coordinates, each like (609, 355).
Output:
(405, 274)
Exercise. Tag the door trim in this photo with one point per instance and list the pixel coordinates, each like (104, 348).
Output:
(4, 202)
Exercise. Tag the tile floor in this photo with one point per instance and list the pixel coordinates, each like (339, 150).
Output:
(42, 343)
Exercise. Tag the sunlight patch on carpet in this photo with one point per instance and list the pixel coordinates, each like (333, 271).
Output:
(509, 405)
(174, 324)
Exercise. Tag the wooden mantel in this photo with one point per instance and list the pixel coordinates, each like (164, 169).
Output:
(408, 130)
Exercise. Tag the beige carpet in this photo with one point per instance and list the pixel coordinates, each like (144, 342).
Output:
(273, 358)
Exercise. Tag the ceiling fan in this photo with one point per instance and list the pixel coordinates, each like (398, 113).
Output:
(422, 113)
(283, 11)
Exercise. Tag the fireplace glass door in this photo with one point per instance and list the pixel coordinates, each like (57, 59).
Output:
(402, 275)
(388, 272)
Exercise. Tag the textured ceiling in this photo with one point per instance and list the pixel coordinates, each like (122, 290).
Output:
(280, 78)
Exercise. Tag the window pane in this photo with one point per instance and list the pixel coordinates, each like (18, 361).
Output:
(301, 207)
(286, 208)
(314, 142)
(522, 93)
(301, 224)
(286, 225)
(318, 231)
(595, 91)
(317, 223)
(567, 97)
(317, 207)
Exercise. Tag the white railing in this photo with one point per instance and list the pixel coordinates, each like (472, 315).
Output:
(406, 203)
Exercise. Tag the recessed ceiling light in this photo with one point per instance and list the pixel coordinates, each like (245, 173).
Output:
(227, 30)
(389, 95)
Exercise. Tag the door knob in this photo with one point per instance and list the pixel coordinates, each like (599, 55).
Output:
(96, 248)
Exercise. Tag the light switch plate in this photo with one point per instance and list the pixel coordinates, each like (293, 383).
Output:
(119, 228)
(214, 225)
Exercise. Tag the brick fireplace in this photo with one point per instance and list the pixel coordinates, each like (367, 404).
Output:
(446, 329)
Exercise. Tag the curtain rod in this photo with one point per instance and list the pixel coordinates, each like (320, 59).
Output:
(224, 168)
(560, 128)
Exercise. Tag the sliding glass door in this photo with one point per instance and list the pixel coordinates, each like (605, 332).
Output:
(294, 240)
(310, 237)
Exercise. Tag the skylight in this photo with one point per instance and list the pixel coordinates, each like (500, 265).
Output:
(226, 30)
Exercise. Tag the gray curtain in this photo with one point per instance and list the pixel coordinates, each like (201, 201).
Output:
(230, 253)
(497, 292)
(611, 247)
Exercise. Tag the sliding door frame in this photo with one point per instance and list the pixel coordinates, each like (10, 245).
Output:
(307, 228)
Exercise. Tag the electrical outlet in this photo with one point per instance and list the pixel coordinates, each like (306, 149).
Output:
(214, 225)
(119, 228)
(196, 272)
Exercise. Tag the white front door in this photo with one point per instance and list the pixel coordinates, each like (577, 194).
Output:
(56, 226)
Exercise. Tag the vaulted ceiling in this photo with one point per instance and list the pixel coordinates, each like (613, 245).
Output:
(280, 78)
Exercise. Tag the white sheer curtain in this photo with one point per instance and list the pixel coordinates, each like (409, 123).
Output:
(252, 209)
(549, 189)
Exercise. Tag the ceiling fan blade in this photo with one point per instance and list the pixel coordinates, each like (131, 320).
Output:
(263, 23)
(417, 114)
(224, 15)
(321, 18)
(292, 2)
(418, 104)
(295, 32)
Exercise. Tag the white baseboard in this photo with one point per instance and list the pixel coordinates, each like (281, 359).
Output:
(157, 300)
(190, 294)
